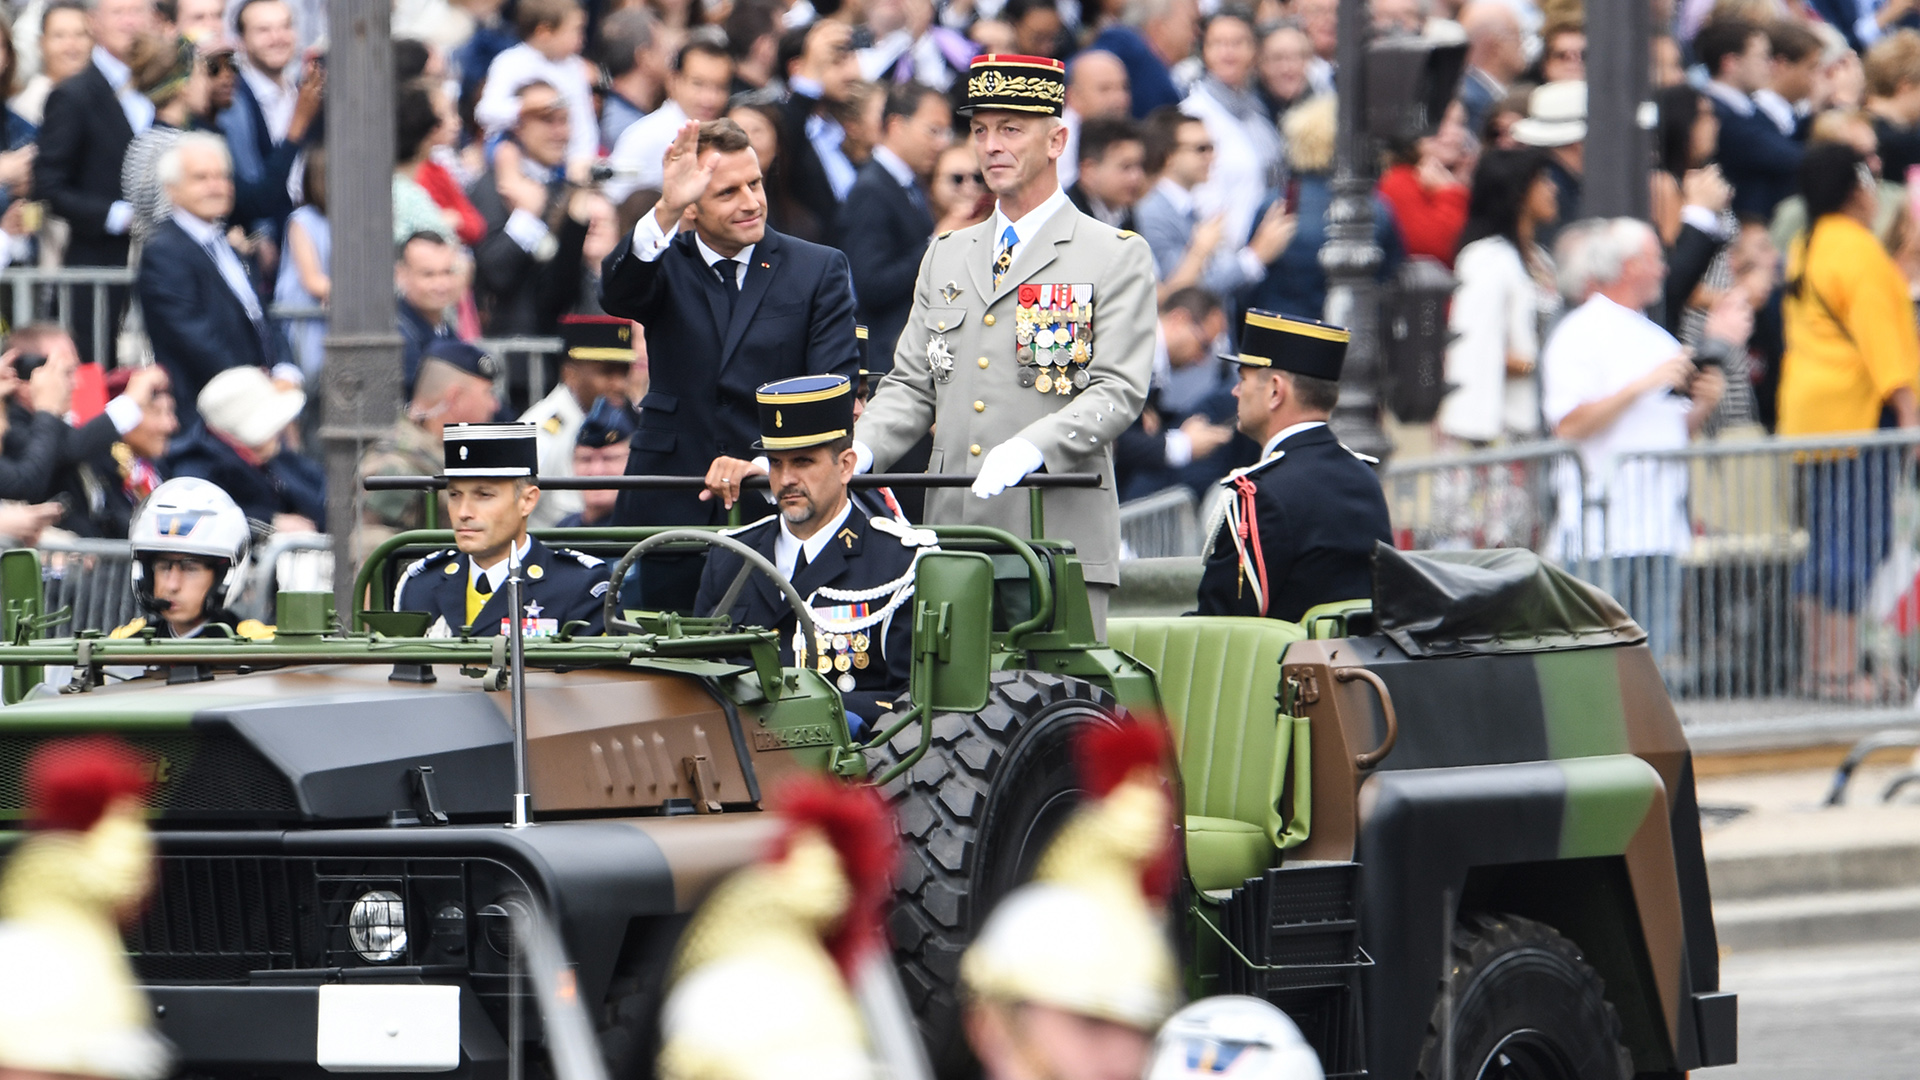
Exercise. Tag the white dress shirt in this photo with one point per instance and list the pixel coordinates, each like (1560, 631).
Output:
(896, 167)
(1286, 433)
(650, 242)
(496, 574)
(139, 112)
(639, 156)
(1025, 229)
(787, 547)
(276, 95)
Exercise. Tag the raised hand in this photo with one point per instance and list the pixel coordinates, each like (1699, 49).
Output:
(685, 175)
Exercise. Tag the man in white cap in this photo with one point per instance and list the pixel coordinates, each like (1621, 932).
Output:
(1556, 122)
(241, 446)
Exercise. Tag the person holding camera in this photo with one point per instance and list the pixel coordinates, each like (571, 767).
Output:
(1620, 387)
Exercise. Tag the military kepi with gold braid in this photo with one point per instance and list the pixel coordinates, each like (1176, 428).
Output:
(1289, 343)
(597, 337)
(807, 410)
(1029, 84)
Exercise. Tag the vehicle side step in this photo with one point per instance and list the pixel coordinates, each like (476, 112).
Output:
(1297, 931)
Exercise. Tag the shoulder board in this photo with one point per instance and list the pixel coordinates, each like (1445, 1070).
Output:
(748, 527)
(1368, 458)
(1128, 234)
(431, 560)
(905, 533)
(120, 633)
(944, 235)
(552, 426)
(581, 557)
(1248, 470)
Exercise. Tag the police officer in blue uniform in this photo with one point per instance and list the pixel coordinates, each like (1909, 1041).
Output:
(853, 567)
(492, 488)
(1300, 524)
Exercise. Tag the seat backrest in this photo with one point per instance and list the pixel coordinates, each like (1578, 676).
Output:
(1219, 679)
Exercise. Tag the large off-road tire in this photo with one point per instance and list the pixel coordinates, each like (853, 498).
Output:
(976, 813)
(1521, 1003)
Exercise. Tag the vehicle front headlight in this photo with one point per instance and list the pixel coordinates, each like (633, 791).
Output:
(377, 926)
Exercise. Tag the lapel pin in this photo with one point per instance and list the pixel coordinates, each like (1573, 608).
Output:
(950, 292)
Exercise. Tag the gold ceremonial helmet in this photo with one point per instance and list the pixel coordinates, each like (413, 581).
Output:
(1084, 936)
(761, 982)
(69, 1004)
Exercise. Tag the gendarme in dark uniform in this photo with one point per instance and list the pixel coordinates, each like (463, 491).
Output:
(1301, 523)
(857, 574)
(557, 586)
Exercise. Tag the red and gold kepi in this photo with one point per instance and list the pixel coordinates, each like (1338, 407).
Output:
(598, 337)
(1029, 84)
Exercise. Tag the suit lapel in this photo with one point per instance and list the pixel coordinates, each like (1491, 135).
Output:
(764, 594)
(835, 559)
(109, 103)
(980, 259)
(760, 273)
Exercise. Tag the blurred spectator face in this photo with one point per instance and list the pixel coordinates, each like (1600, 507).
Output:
(1667, 68)
(1705, 137)
(1641, 275)
(992, 35)
(1117, 177)
(600, 461)
(603, 233)
(115, 23)
(66, 44)
(839, 74)
(1565, 56)
(1449, 144)
(1038, 31)
(1189, 340)
(182, 582)
(760, 132)
(199, 19)
(956, 179)
(862, 127)
(221, 74)
(158, 424)
(1228, 50)
(469, 400)
(205, 187)
(1397, 17)
(920, 139)
(266, 33)
(564, 40)
(542, 130)
(1097, 87)
(1543, 200)
(427, 278)
(1283, 63)
(700, 87)
(1192, 157)
(1794, 79)
(1752, 69)
(591, 380)
(1172, 34)
(1318, 19)
(733, 212)
(1015, 148)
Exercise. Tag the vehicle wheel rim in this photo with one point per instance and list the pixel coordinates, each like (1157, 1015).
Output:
(1527, 1054)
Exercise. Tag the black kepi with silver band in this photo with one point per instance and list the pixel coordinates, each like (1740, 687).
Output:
(491, 450)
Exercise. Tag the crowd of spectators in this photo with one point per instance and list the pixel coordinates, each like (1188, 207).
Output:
(186, 139)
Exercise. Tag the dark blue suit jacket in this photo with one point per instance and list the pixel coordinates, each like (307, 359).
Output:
(1320, 509)
(556, 583)
(1147, 74)
(197, 326)
(1760, 163)
(859, 557)
(260, 165)
(794, 317)
(885, 236)
(83, 142)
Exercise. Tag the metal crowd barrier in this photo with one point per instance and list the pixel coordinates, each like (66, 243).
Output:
(1162, 525)
(46, 295)
(91, 577)
(1778, 578)
(531, 353)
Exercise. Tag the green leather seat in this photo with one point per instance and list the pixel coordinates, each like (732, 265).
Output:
(1219, 681)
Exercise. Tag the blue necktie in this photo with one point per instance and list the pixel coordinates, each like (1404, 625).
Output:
(1007, 240)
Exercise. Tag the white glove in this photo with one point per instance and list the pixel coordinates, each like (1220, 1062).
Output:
(862, 457)
(1005, 465)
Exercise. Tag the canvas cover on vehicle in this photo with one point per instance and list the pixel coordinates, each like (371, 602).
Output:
(1507, 600)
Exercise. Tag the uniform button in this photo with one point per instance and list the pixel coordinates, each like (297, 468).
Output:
(983, 363)
(988, 319)
(941, 325)
(979, 406)
(974, 449)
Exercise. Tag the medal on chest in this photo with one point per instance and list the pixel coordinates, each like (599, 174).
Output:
(835, 648)
(940, 358)
(1053, 337)
(531, 624)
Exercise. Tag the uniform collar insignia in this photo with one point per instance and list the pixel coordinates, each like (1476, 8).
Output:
(848, 535)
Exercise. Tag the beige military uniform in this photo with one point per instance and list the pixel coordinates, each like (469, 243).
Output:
(956, 368)
(407, 450)
(556, 419)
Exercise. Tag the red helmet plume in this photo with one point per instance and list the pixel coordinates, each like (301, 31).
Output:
(70, 782)
(860, 826)
(1107, 754)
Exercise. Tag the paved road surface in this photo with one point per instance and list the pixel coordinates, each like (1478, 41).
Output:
(1816, 1014)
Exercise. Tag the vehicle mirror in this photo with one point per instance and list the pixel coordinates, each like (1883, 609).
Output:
(952, 630)
(24, 595)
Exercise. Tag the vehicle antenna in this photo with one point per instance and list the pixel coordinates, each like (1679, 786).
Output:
(517, 667)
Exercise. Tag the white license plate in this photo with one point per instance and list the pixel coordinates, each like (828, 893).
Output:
(389, 1028)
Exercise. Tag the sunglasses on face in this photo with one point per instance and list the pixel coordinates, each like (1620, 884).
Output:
(960, 179)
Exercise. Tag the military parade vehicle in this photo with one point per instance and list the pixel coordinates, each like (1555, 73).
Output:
(1451, 832)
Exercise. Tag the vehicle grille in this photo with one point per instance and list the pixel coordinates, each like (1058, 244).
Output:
(216, 919)
(197, 775)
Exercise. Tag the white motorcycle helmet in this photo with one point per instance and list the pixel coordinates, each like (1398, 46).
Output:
(190, 516)
(1240, 1038)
